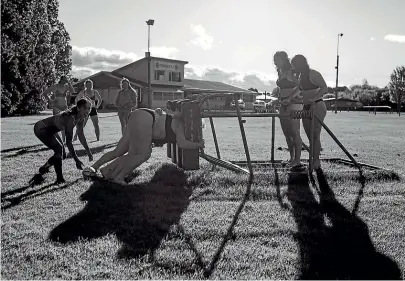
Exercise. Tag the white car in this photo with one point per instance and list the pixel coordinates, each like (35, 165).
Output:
(241, 103)
(259, 106)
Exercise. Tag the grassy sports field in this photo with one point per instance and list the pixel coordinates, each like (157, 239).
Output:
(210, 223)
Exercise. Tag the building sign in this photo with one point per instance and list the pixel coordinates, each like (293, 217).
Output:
(166, 66)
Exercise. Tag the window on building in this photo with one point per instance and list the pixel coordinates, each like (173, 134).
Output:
(175, 76)
(157, 96)
(167, 96)
(159, 75)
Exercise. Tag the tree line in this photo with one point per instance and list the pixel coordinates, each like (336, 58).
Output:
(35, 52)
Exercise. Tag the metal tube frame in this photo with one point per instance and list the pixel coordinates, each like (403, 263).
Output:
(235, 167)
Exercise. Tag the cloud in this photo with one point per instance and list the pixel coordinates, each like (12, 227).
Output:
(97, 59)
(395, 38)
(246, 80)
(89, 60)
(202, 38)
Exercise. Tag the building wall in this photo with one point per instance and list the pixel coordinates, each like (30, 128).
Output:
(138, 71)
(166, 67)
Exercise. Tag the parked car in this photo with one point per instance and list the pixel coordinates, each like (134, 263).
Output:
(259, 106)
(241, 103)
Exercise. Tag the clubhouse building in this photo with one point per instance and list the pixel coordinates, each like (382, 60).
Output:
(167, 83)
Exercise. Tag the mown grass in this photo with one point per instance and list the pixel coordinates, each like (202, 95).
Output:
(211, 223)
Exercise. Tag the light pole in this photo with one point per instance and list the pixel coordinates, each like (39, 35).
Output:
(337, 72)
(149, 23)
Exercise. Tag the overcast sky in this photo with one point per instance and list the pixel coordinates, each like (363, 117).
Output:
(234, 41)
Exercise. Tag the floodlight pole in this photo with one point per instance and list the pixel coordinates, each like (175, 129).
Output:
(149, 23)
(337, 72)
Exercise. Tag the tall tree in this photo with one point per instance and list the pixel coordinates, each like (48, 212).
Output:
(35, 52)
(397, 84)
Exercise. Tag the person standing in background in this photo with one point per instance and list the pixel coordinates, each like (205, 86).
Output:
(127, 100)
(93, 95)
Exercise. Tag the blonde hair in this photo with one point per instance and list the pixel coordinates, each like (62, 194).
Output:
(129, 83)
(88, 80)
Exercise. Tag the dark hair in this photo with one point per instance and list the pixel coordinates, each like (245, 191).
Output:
(286, 62)
(80, 103)
(301, 64)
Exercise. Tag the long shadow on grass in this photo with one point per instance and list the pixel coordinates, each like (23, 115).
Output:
(139, 215)
(79, 152)
(19, 148)
(9, 201)
(344, 249)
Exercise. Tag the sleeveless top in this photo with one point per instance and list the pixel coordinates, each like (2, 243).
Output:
(58, 93)
(305, 82)
(92, 98)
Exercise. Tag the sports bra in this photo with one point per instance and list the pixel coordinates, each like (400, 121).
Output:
(170, 135)
(285, 83)
(305, 82)
(59, 94)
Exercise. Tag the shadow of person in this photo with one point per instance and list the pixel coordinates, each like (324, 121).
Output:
(139, 215)
(340, 250)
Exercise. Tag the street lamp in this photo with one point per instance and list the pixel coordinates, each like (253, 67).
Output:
(337, 72)
(149, 23)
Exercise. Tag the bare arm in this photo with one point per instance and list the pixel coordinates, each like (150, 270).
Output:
(134, 99)
(98, 98)
(69, 137)
(117, 100)
(316, 78)
(181, 139)
(70, 88)
(82, 139)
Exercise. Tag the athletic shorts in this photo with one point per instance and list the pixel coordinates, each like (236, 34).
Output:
(93, 111)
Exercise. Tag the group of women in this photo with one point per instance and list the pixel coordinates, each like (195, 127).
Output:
(299, 87)
(141, 130)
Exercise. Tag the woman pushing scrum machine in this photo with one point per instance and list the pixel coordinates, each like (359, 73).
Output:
(145, 128)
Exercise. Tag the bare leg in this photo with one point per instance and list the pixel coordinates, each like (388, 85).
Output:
(62, 143)
(286, 128)
(121, 149)
(320, 109)
(123, 121)
(295, 131)
(295, 135)
(139, 130)
(94, 119)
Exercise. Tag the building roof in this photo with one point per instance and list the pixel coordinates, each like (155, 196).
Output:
(190, 85)
(144, 58)
(212, 86)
